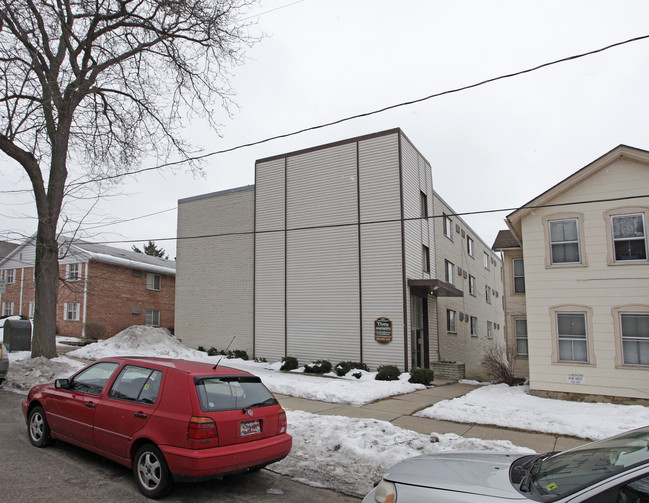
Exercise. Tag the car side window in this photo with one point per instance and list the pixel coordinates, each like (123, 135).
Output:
(137, 384)
(93, 379)
(635, 492)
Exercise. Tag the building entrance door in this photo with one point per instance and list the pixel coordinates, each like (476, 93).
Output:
(419, 331)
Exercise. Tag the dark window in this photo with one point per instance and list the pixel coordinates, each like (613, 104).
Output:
(137, 384)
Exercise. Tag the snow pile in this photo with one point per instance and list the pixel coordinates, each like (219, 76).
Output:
(514, 407)
(349, 454)
(138, 340)
(25, 372)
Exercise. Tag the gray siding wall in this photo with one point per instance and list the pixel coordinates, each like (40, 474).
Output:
(214, 280)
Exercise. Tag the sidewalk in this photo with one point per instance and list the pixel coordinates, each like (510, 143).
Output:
(399, 411)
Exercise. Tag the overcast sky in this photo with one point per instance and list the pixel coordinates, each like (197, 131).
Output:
(496, 146)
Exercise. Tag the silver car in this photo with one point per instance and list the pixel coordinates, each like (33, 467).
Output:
(615, 470)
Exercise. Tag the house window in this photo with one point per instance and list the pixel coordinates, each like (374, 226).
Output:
(469, 246)
(71, 311)
(572, 337)
(426, 258)
(520, 327)
(450, 321)
(73, 272)
(519, 275)
(635, 338)
(474, 326)
(564, 241)
(472, 285)
(7, 309)
(448, 227)
(152, 318)
(424, 204)
(487, 291)
(485, 259)
(490, 327)
(629, 237)
(153, 281)
(10, 276)
(448, 272)
(32, 309)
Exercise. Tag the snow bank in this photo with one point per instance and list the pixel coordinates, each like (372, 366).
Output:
(27, 372)
(514, 407)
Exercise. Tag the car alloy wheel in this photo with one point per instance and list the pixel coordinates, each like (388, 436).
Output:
(151, 472)
(38, 429)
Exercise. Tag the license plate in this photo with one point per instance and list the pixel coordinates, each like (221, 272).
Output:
(250, 427)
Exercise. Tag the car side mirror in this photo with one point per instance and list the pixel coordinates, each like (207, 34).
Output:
(62, 383)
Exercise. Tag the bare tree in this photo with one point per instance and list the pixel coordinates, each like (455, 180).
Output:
(98, 84)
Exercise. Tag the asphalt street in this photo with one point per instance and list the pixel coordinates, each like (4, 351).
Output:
(65, 473)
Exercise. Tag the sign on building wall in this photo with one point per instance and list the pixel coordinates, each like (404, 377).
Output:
(576, 379)
(383, 330)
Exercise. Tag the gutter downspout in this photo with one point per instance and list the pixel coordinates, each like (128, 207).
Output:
(85, 301)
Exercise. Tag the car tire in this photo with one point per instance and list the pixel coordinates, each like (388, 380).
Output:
(151, 472)
(38, 430)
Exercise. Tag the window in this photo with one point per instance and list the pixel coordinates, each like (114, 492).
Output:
(450, 320)
(474, 326)
(7, 309)
(93, 379)
(137, 384)
(32, 309)
(564, 241)
(448, 227)
(572, 337)
(426, 258)
(485, 260)
(629, 237)
(153, 281)
(634, 328)
(10, 276)
(469, 246)
(152, 318)
(472, 285)
(424, 204)
(487, 291)
(519, 275)
(490, 328)
(448, 272)
(71, 311)
(520, 327)
(73, 272)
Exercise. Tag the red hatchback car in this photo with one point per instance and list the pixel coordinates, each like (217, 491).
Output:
(169, 420)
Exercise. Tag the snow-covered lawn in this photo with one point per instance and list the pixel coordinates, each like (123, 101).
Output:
(349, 454)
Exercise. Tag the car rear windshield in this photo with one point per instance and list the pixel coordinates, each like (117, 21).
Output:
(232, 393)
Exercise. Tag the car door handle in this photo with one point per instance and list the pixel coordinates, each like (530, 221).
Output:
(90, 404)
(140, 414)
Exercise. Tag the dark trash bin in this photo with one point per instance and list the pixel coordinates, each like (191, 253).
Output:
(18, 335)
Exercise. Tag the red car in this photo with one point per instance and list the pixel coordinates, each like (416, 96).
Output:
(169, 420)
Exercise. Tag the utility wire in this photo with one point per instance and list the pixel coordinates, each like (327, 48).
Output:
(365, 114)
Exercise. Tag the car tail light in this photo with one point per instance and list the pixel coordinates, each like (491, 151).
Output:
(281, 422)
(200, 428)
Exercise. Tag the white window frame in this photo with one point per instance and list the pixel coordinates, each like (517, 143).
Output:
(573, 339)
(490, 330)
(425, 258)
(8, 308)
(71, 311)
(485, 260)
(32, 309)
(10, 276)
(521, 336)
(448, 226)
(642, 238)
(451, 321)
(487, 291)
(73, 271)
(564, 242)
(424, 203)
(515, 276)
(474, 326)
(638, 341)
(469, 246)
(449, 270)
(152, 318)
(472, 285)
(151, 281)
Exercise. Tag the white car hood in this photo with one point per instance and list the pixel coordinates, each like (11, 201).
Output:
(468, 472)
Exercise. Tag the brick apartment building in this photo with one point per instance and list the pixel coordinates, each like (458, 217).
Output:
(102, 289)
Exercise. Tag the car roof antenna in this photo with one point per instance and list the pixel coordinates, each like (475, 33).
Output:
(226, 350)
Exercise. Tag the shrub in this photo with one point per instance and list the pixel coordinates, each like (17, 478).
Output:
(500, 370)
(344, 367)
(289, 363)
(201, 348)
(421, 376)
(95, 330)
(212, 352)
(388, 373)
(318, 367)
(240, 353)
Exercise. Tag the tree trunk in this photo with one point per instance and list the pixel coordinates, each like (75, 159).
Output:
(46, 275)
